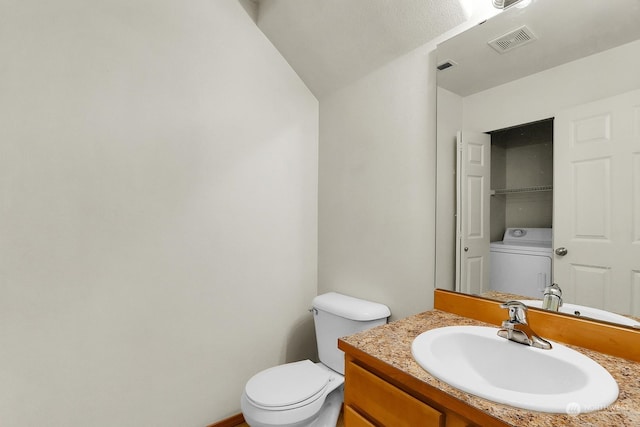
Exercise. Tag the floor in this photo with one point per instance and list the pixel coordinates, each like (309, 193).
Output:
(340, 422)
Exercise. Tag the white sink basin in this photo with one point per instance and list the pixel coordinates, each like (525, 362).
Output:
(584, 311)
(474, 359)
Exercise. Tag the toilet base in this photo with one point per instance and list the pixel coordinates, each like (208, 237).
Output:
(330, 412)
(327, 416)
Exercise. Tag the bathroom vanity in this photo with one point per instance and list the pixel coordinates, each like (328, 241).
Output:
(375, 396)
(385, 386)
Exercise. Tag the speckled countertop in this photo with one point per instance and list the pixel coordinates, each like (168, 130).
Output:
(502, 296)
(391, 344)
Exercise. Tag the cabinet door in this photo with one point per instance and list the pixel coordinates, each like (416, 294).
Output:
(385, 403)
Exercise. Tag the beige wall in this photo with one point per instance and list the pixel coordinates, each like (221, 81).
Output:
(527, 166)
(498, 203)
(521, 164)
(158, 183)
(377, 186)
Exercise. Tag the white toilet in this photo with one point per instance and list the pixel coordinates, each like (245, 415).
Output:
(305, 393)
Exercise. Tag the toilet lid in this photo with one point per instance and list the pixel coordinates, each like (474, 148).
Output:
(287, 384)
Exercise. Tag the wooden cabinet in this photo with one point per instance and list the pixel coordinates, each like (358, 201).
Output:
(378, 396)
(352, 418)
(384, 403)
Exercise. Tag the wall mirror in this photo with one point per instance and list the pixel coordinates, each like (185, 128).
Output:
(570, 72)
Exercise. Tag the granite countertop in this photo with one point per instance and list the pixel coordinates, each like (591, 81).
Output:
(391, 343)
(503, 296)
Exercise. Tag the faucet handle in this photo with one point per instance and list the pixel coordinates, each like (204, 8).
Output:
(552, 297)
(517, 311)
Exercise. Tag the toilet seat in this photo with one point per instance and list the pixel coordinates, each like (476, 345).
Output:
(309, 403)
(288, 386)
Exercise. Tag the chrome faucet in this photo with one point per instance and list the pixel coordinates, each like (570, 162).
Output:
(552, 297)
(517, 329)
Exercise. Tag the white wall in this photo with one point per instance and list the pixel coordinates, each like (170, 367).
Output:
(449, 123)
(158, 209)
(377, 181)
(377, 186)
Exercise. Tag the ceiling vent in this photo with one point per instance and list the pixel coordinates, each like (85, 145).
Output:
(446, 64)
(513, 39)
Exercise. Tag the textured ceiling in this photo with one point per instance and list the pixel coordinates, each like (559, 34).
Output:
(331, 43)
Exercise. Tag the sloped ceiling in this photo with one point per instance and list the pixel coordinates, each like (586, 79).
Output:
(331, 43)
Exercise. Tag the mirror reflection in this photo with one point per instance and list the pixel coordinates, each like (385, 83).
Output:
(539, 156)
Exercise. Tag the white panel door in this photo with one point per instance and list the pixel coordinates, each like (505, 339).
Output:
(472, 212)
(596, 215)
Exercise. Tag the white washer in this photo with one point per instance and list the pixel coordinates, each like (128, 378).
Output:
(521, 262)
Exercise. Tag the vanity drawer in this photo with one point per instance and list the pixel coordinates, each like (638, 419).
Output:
(365, 391)
(353, 419)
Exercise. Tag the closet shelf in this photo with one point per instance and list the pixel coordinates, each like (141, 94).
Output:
(533, 189)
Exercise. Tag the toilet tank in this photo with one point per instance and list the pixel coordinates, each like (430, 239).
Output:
(336, 316)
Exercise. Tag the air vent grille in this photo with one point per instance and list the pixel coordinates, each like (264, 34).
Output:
(446, 64)
(516, 38)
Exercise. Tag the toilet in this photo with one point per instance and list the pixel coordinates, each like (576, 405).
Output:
(305, 393)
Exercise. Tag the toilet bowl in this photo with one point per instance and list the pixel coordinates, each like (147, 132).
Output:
(295, 394)
(304, 393)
